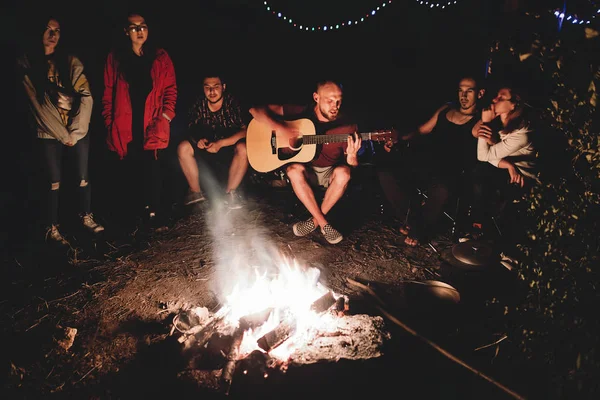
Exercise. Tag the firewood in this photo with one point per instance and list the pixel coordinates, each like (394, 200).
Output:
(207, 331)
(274, 338)
(232, 358)
(199, 335)
(323, 303)
(255, 320)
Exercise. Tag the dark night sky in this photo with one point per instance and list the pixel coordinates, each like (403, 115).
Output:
(397, 66)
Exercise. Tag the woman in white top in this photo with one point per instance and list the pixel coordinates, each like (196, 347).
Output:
(509, 147)
(512, 148)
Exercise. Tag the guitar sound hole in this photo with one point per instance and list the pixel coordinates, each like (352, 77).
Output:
(295, 143)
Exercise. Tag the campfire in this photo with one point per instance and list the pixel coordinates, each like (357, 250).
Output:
(282, 319)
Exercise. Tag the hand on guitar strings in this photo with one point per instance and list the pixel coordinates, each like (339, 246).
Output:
(354, 144)
(391, 141)
(289, 132)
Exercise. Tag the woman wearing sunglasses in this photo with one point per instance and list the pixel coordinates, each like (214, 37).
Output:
(140, 93)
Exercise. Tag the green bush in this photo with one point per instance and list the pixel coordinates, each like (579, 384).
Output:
(557, 322)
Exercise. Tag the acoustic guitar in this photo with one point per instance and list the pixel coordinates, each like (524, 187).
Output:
(267, 150)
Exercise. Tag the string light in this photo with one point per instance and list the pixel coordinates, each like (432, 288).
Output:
(573, 18)
(328, 27)
(432, 4)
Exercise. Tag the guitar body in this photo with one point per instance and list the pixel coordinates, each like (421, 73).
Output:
(267, 151)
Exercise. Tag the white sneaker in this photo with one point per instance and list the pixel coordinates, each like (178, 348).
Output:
(55, 236)
(233, 200)
(90, 224)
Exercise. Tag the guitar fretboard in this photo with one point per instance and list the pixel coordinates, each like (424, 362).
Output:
(339, 138)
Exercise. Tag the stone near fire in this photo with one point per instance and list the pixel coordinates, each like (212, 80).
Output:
(352, 337)
(66, 337)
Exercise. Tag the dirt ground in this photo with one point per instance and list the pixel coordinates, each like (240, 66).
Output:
(121, 296)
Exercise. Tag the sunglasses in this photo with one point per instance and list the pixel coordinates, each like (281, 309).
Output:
(137, 28)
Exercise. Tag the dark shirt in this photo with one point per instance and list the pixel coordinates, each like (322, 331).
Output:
(136, 70)
(454, 145)
(204, 123)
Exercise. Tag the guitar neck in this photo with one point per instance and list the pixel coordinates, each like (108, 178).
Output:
(340, 138)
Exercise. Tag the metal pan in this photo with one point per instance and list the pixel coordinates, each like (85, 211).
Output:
(431, 294)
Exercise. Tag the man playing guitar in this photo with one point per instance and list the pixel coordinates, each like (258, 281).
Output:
(332, 165)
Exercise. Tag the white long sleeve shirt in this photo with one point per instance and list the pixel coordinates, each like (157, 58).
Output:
(515, 146)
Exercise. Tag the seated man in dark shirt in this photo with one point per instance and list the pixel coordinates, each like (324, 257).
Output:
(442, 170)
(332, 165)
(217, 131)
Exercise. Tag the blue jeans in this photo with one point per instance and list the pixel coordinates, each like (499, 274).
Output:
(54, 154)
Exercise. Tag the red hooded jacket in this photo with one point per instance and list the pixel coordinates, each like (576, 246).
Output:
(116, 105)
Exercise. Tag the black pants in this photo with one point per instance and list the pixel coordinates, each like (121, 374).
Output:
(213, 168)
(141, 179)
(400, 181)
(491, 191)
(54, 154)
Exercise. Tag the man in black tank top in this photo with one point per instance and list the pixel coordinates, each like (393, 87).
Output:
(453, 152)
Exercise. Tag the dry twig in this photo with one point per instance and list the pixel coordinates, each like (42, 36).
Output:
(37, 323)
(64, 298)
(89, 372)
(492, 344)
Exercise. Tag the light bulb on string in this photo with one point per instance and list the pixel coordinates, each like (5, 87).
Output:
(574, 18)
(326, 27)
(432, 4)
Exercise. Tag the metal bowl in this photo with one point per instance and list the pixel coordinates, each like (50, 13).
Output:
(442, 291)
(432, 294)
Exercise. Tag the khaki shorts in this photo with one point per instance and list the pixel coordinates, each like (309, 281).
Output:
(322, 174)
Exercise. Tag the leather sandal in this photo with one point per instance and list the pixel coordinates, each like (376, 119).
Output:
(412, 242)
(404, 230)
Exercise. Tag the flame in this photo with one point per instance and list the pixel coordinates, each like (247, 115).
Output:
(290, 294)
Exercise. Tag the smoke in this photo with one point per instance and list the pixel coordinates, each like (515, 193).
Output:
(240, 243)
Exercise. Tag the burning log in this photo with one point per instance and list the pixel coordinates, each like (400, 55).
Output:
(255, 320)
(285, 329)
(207, 331)
(247, 322)
(232, 358)
(274, 338)
(198, 335)
(323, 303)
